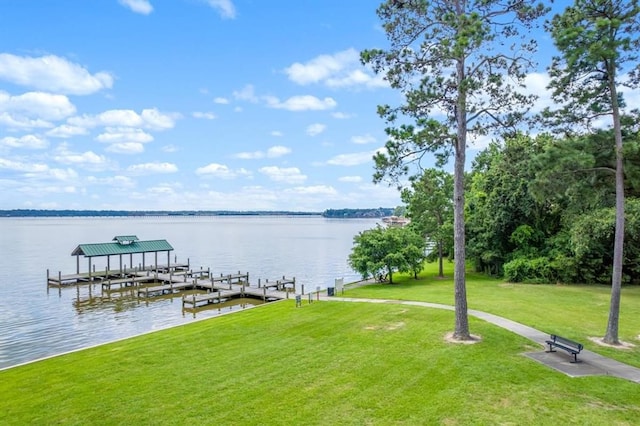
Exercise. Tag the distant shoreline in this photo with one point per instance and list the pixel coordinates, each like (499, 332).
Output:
(331, 213)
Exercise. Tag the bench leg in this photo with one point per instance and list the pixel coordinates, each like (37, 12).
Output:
(575, 359)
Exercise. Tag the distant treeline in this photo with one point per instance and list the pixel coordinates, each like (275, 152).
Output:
(358, 213)
(129, 213)
(330, 213)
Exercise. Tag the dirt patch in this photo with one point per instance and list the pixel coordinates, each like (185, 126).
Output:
(622, 345)
(474, 339)
(388, 327)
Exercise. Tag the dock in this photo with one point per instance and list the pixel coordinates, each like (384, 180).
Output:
(158, 279)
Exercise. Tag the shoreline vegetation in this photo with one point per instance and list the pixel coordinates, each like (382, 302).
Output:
(343, 363)
(329, 213)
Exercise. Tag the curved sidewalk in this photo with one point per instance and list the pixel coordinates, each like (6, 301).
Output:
(590, 362)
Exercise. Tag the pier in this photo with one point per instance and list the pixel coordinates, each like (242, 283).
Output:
(147, 281)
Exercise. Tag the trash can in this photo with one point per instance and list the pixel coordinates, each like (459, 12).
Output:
(330, 291)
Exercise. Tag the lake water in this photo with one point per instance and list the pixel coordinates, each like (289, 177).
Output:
(37, 321)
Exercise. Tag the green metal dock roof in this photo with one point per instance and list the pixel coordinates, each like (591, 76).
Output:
(128, 245)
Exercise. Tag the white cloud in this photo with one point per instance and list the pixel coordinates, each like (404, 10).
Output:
(124, 134)
(301, 103)
(221, 171)
(125, 148)
(247, 93)
(221, 100)
(152, 168)
(350, 179)
(138, 6)
(315, 129)
(52, 74)
(20, 166)
(339, 70)
(148, 119)
(225, 8)
(290, 175)
(354, 159)
(26, 141)
(341, 115)
(363, 139)
(66, 131)
(17, 122)
(36, 105)
(249, 155)
(89, 158)
(273, 152)
(278, 151)
(277, 133)
(204, 115)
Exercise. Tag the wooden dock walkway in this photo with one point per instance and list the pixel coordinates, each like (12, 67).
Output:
(175, 278)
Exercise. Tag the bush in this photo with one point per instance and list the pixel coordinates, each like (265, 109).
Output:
(537, 270)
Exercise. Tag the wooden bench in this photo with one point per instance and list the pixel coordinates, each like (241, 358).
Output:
(570, 346)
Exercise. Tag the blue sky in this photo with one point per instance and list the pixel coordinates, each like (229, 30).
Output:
(191, 105)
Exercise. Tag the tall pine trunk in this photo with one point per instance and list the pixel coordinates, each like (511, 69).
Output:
(611, 335)
(462, 321)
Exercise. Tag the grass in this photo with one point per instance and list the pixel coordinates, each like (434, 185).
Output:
(329, 363)
(579, 312)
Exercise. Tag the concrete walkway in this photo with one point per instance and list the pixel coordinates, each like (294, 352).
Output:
(590, 363)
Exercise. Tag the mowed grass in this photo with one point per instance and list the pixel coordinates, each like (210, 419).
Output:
(327, 364)
(579, 312)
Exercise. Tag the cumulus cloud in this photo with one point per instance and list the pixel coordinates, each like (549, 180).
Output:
(52, 74)
(152, 168)
(89, 158)
(26, 141)
(148, 119)
(66, 131)
(20, 166)
(254, 155)
(36, 105)
(290, 175)
(142, 7)
(221, 171)
(273, 152)
(315, 129)
(18, 122)
(204, 115)
(114, 135)
(278, 151)
(225, 8)
(276, 133)
(221, 100)
(301, 103)
(341, 69)
(126, 148)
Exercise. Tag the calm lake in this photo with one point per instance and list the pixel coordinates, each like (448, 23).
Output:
(37, 321)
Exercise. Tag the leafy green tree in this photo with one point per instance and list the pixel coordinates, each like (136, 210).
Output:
(505, 220)
(430, 207)
(447, 58)
(382, 251)
(598, 40)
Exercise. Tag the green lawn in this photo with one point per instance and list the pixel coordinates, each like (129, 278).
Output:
(574, 311)
(335, 363)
